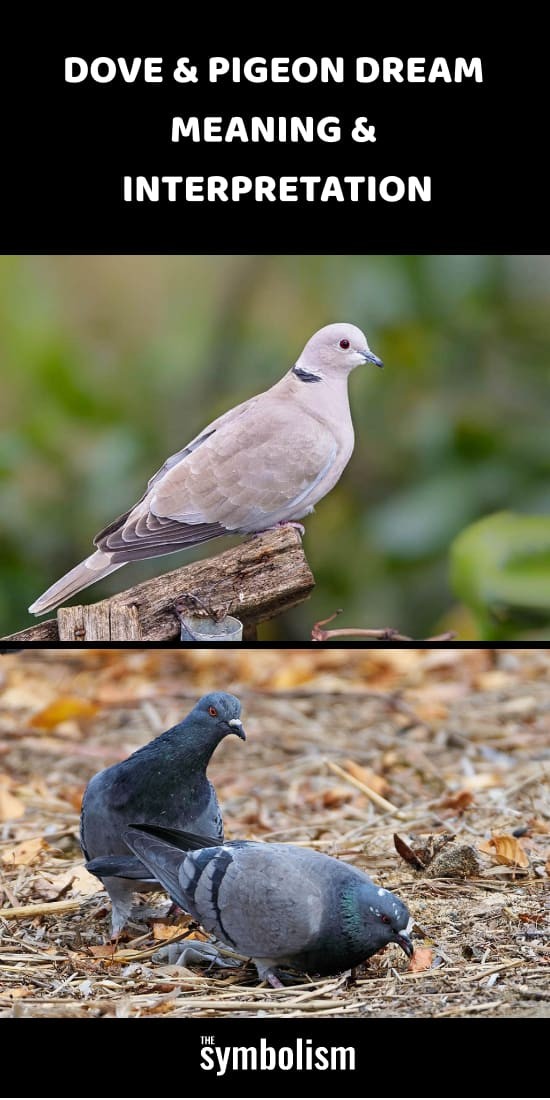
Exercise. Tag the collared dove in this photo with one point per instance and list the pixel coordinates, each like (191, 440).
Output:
(278, 904)
(164, 782)
(265, 462)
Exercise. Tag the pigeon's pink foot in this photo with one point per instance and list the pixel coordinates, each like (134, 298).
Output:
(269, 974)
(274, 980)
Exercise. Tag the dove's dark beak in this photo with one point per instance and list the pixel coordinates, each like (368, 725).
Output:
(371, 358)
(404, 941)
(236, 726)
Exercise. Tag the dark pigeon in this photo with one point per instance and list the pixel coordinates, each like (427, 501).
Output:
(278, 904)
(164, 783)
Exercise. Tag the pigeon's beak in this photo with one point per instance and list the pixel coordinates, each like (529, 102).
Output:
(236, 726)
(404, 941)
(371, 358)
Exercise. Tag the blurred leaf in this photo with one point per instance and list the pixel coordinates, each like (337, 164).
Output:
(500, 568)
(506, 850)
(410, 855)
(11, 807)
(164, 931)
(538, 826)
(103, 951)
(16, 992)
(25, 853)
(65, 707)
(422, 959)
(424, 518)
(84, 883)
(459, 801)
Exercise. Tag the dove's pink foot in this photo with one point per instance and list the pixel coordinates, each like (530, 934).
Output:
(283, 523)
(292, 523)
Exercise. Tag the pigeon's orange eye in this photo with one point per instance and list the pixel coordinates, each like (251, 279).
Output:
(344, 344)
(385, 920)
(213, 712)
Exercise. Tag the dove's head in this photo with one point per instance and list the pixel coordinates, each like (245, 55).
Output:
(334, 349)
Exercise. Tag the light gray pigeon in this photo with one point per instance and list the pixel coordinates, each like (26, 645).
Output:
(278, 904)
(265, 462)
(164, 782)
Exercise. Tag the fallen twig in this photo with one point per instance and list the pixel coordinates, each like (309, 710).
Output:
(21, 912)
(382, 803)
(497, 969)
(465, 1010)
(385, 634)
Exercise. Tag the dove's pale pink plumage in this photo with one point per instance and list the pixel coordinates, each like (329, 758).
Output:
(267, 461)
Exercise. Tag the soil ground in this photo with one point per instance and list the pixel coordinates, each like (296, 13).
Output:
(456, 741)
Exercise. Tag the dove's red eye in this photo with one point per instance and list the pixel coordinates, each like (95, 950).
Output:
(213, 712)
(344, 344)
(385, 920)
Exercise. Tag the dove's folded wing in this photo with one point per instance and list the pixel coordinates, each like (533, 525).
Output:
(247, 474)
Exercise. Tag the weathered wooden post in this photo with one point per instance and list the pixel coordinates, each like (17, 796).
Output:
(255, 581)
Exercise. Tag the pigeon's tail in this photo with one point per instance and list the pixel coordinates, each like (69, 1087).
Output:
(89, 571)
(118, 867)
(162, 859)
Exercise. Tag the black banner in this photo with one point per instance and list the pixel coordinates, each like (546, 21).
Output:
(377, 147)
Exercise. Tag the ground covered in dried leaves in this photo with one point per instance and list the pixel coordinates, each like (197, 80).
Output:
(346, 749)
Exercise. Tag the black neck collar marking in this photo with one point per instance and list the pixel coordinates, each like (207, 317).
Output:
(305, 375)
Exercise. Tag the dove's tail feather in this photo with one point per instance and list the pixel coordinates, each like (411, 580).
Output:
(89, 571)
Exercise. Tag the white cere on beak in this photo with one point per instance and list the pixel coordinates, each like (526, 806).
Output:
(406, 931)
(381, 893)
(235, 722)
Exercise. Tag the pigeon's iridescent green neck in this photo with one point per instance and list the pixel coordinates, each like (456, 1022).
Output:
(352, 923)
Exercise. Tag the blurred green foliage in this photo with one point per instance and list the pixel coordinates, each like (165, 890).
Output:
(110, 363)
(500, 568)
